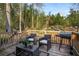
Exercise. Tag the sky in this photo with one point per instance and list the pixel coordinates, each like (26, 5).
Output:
(54, 8)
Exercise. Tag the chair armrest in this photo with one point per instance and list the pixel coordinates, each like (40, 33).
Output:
(41, 38)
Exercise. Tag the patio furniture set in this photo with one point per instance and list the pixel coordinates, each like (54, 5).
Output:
(36, 43)
(32, 46)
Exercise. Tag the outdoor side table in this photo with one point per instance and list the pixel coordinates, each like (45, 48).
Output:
(65, 35)
(34, 51)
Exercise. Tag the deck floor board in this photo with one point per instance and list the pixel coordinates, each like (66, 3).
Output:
(54, 51)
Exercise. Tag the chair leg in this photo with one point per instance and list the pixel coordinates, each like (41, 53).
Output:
(34, 42)
(70, 44)
(48, 47)
(47, 54)
(60, 44)
(39, 44)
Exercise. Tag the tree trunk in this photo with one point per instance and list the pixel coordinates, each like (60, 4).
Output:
(48, 19)
(37, 21)
(8, 28)
(32, 21)
(20, 18)
(32, 17)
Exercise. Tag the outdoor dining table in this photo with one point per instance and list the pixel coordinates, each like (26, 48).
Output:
(64, 35)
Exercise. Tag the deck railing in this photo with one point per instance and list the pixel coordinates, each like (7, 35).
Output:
(54, 38)
(8, 39)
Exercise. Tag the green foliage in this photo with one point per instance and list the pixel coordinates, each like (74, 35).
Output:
(32, 15)
(14, 16)
(25, 42)
(2, 17)
(73, 18)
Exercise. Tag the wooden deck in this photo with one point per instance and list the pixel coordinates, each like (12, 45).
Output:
(54, 51)
(12, 40)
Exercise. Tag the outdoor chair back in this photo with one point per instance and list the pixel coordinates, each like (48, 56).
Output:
(31, 38)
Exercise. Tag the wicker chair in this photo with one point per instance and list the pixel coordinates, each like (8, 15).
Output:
(46, 40)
